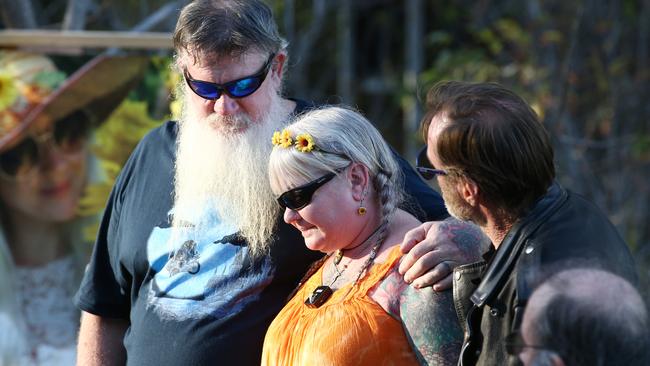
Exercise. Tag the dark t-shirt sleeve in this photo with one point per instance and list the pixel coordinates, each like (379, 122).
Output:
(103, 290)
(100, 292)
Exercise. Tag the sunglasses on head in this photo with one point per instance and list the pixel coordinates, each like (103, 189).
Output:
(239, 88)
(424, 166)
(299, 197)
(67, 136)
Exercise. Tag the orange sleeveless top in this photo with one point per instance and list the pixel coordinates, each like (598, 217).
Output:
(348, 329)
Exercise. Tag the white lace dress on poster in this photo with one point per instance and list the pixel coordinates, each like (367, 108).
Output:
(45, 298)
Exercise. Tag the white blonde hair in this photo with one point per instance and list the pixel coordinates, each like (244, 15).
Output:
(341, 136)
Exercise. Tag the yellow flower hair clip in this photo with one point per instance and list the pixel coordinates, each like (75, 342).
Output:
(282, 139)
(304, 142)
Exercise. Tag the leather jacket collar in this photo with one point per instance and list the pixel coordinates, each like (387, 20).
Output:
(508, 252)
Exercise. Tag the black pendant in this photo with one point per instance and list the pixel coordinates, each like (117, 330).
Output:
(319, 296)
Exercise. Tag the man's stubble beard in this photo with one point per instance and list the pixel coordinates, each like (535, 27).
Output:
(223, 171)
(455, 204)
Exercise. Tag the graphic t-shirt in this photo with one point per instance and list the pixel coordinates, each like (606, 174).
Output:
(201, 300)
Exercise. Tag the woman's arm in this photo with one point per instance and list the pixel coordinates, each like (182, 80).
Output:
(428, 317)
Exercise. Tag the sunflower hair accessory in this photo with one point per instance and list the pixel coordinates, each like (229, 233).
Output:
(303, 142)
(282, 139)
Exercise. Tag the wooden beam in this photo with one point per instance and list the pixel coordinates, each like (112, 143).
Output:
(85, 39)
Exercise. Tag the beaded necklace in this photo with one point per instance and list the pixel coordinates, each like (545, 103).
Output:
(323, 292)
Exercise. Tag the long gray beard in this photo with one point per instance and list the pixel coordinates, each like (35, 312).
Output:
(222, 173)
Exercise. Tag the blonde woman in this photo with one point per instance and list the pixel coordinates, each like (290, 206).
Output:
(340, 186)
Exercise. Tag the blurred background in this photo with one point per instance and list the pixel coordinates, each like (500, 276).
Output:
(584, 65)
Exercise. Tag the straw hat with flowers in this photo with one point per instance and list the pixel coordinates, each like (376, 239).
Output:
(34, 94)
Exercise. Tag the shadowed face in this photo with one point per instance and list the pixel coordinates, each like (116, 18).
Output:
(449, 185)
(320, 220)
(52, 189)
(327, 215)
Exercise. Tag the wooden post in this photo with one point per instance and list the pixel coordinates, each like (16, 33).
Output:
(413, 66)
(345, 52)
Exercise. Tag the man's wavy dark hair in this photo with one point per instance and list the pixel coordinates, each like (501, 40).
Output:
(492, 136)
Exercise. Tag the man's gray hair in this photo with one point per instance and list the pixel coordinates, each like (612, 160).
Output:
(591, 317)
(226, 28)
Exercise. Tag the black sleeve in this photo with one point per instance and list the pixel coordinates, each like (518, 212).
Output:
(104, 290)
(421, 200)
(100, 292)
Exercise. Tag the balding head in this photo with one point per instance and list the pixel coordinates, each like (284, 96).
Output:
(586, 317)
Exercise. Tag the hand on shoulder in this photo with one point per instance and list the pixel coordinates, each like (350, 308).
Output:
(433, 249)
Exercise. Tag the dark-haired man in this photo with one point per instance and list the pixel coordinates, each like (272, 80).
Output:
(494, 164)
(193, 261)
(583, 317)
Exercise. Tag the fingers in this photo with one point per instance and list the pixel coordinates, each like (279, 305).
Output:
(411, 239)
(429, 262)
(440, 277)
(445, 283)
(415, 236)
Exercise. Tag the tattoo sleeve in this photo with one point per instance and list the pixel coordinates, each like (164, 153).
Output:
(428, 317)
(467, 237)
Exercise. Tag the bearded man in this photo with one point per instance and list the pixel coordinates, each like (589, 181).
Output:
(192, 260)
(494, 164)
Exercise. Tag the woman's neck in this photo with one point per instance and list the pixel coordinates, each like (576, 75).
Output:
(34, 242)
(364, 241)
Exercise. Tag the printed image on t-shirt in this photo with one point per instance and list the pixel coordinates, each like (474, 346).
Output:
(203, 272)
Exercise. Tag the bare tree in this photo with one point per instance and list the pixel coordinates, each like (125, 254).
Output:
(18, 14)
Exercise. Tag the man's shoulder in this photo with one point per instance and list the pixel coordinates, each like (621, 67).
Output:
(576, 218)
(159, 142)
(302, 106)
(153, 156)
(163, 134)
(578, 233)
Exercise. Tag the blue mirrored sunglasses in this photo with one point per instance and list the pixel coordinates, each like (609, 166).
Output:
(239, 88)
(424, 166)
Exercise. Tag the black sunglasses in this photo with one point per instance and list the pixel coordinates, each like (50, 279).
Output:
(424, 166)
(239, 88)
(299, 197)
(68, 136)
(515, 344)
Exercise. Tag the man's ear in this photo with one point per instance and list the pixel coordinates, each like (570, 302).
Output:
(469, 191)
(278, 64)
(359, 178)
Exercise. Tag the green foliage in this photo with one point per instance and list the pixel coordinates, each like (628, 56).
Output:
(641, 148)
(463, 64)
(114, 142)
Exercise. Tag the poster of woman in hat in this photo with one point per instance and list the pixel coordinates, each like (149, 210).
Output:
(46, 120)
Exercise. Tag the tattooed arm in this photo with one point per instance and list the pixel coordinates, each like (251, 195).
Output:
(428, 317)
(434, 248)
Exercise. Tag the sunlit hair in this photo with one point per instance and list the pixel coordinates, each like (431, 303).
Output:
(344, 136)
(493, 137)
(227, 28)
